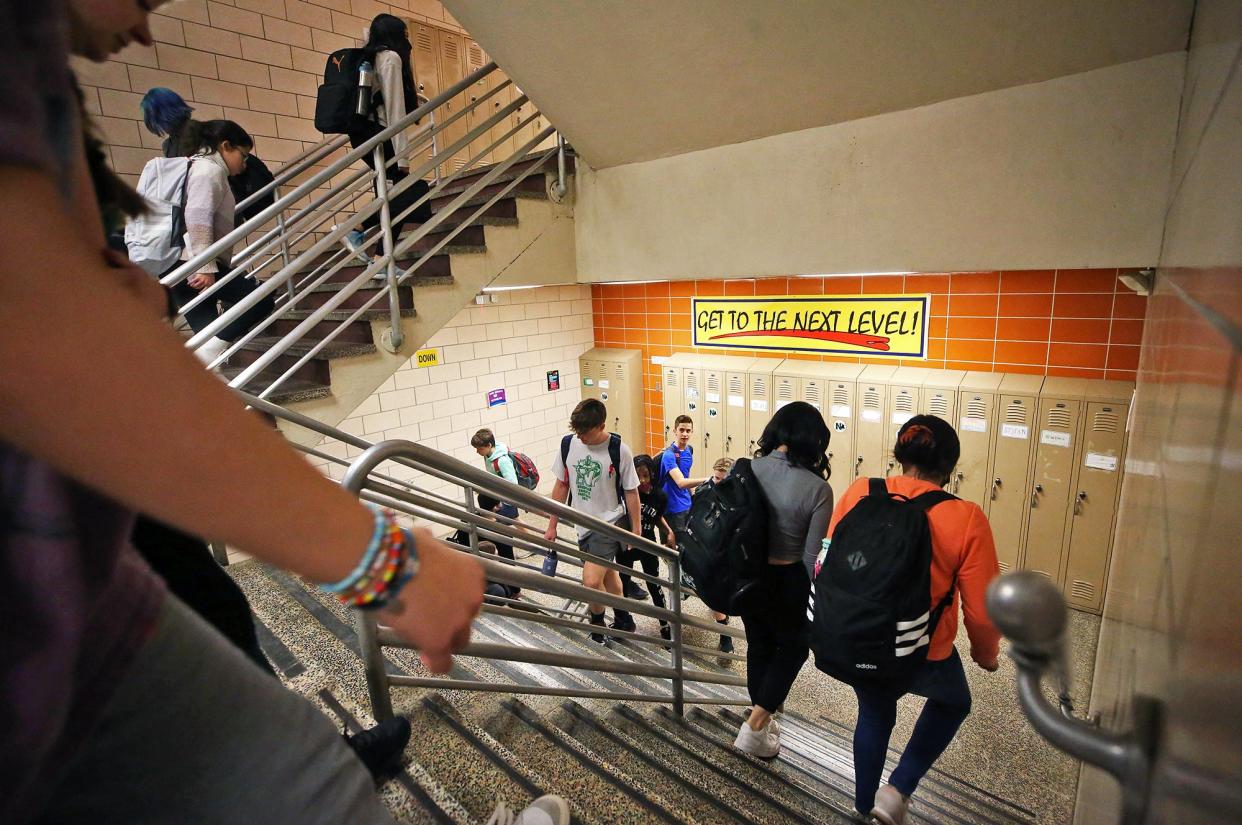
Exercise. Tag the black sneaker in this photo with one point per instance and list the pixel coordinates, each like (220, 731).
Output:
(726, 644)
(666, 631)
(622, 620)
(382, 747)
(633, 591)
(597, 619)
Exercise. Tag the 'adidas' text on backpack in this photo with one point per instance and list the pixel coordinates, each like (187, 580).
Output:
(336, 102)
(873, 618)
(725, 546)
(523, 467)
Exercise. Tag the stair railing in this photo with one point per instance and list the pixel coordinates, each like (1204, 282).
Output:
(408, 498)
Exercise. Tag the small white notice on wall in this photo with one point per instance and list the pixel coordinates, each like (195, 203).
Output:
(1016, 431)
(1054, 438)
(713, 398)
(1099, 461)
(737, 401)
(603, 383)
(900, 418)
(691, 392)
(840, 411)
(974, 425)
(871, 415)
(759, 405)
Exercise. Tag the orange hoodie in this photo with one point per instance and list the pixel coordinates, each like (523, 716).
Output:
(962, 543)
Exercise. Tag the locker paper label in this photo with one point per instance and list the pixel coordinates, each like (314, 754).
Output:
(840, 411)
(780, 404)
(737, 401)
(1016, 431)
(901, 418)
(1054, 438)
(588, 382)
(603, 384)
(1099, 461)
(691, 392)
(713, 398)
(871, 415)
(975, 425)
(759, 405)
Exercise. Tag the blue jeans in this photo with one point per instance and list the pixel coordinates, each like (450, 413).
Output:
(943, 683)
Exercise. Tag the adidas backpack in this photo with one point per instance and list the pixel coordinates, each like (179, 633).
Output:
(337, 99)
(724, 548)
(156, 238)
(872, 617)
(523, 467)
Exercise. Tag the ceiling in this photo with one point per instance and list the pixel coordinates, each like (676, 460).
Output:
(633, 80)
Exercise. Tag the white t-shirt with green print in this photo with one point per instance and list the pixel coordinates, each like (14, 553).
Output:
(591, 479)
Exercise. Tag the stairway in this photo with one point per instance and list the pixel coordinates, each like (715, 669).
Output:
(353, 364)
(616, 763)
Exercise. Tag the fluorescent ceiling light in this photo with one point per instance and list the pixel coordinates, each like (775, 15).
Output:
(512, 288)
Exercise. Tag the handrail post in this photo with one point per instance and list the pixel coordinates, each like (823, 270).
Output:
(435, 150)
(679, 682)
(561, 187)
(284, 249)
(473, 510)
(394, 296)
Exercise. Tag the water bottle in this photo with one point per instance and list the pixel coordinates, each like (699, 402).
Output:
(366, 79)
(823, 554)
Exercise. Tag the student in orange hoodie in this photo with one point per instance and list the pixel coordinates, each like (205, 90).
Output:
(928, 449)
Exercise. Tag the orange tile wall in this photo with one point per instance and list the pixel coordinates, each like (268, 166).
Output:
(1074, 322)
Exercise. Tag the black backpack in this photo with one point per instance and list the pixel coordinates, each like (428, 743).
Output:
(873, 618)
(614, 454)
(724, 549)
(335, 105)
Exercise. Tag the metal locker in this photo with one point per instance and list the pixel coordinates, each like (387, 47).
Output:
(784, 389)
(872, 443)
(504, 148)
(692, 394)
(1060, 411)
(735, 407)
(976, 421)
(476, 59)
(904, 391)
(710, 436)
(840, 391)
(590, 369)
(1007, 507)
(426, 68)
(670, 385)
(939, 394)
(1100, 459)
(760, 380)
(451, 62)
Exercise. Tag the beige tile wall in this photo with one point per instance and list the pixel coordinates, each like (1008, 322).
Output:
(258, 62)
(512, 344)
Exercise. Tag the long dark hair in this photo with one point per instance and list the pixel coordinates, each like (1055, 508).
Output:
(206, 136)
(801, 429)
(390, 32)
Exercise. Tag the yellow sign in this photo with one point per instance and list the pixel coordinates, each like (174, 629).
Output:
(893, 326)
(427, 357)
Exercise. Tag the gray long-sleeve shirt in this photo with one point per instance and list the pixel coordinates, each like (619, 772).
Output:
(800, 505)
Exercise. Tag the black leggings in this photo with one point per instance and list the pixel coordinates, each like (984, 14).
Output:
(401, 202)
(777, 635)
(651, 566)
(231, 293)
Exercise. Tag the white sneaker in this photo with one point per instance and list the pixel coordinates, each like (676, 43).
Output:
(546, 810)
(890, 806)
(353, 241)
(211, 350)
(764, 743)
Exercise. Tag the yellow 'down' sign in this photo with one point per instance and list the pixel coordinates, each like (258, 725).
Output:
(427, 357)
(893, 326)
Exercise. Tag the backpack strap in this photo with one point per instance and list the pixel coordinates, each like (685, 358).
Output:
(565, 442)
(614, 453)
(931, 498)
(878, 487)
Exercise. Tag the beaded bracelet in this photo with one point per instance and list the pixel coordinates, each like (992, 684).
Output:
(384, 519)
(389, 563)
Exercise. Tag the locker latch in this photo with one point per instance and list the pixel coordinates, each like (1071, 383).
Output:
(1078, 502)
(996, 483)
(1039, 488)
(957, 480)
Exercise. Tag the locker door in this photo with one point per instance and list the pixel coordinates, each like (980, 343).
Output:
(970, 480)
(1050, 493)
(735, 414)
(496, 102)
(903, 402)
(812, 391)
(840, 420)
(1095, 504)
(671, 389)
(476, 58)
(451, 61)
(785, 390)
(616, 396)
(692, 404)
(713, 432)
(940, 402)
(1007, 505)
(426, 73)
(760, 407)
(871, 440)
(590, 378)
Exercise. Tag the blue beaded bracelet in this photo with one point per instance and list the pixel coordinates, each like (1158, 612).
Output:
(368, 558)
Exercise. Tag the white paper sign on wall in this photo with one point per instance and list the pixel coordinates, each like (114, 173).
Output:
(1054, 438)
(974, 425)
(713, 398)
(759, 405)
(900, 418)
(840, 411)
(737, 401)
(871, 415)
(1100, 461)
(603, 383)
(1016, 431)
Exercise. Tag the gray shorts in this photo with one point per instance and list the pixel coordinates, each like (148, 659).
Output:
(198, 735)
(606, 547)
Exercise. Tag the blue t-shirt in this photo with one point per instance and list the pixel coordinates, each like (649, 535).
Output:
(678, 499)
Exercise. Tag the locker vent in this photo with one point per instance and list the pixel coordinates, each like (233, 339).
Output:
(871, 399)
(692, 380)
(1105, 421)
(1058, 419)
(620, 372)
(450, 49)
(903, 403)
(976, 408)
(840, 395)
(713, 382)
(735, 385)
(476, 55)
(939, 406)
(814, 395)
(1004, 568)
(1015, 413)
(422, 39)
(758, 387)
(1045, 575)
(670, 378)
(784, 391)
(1083, 591)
